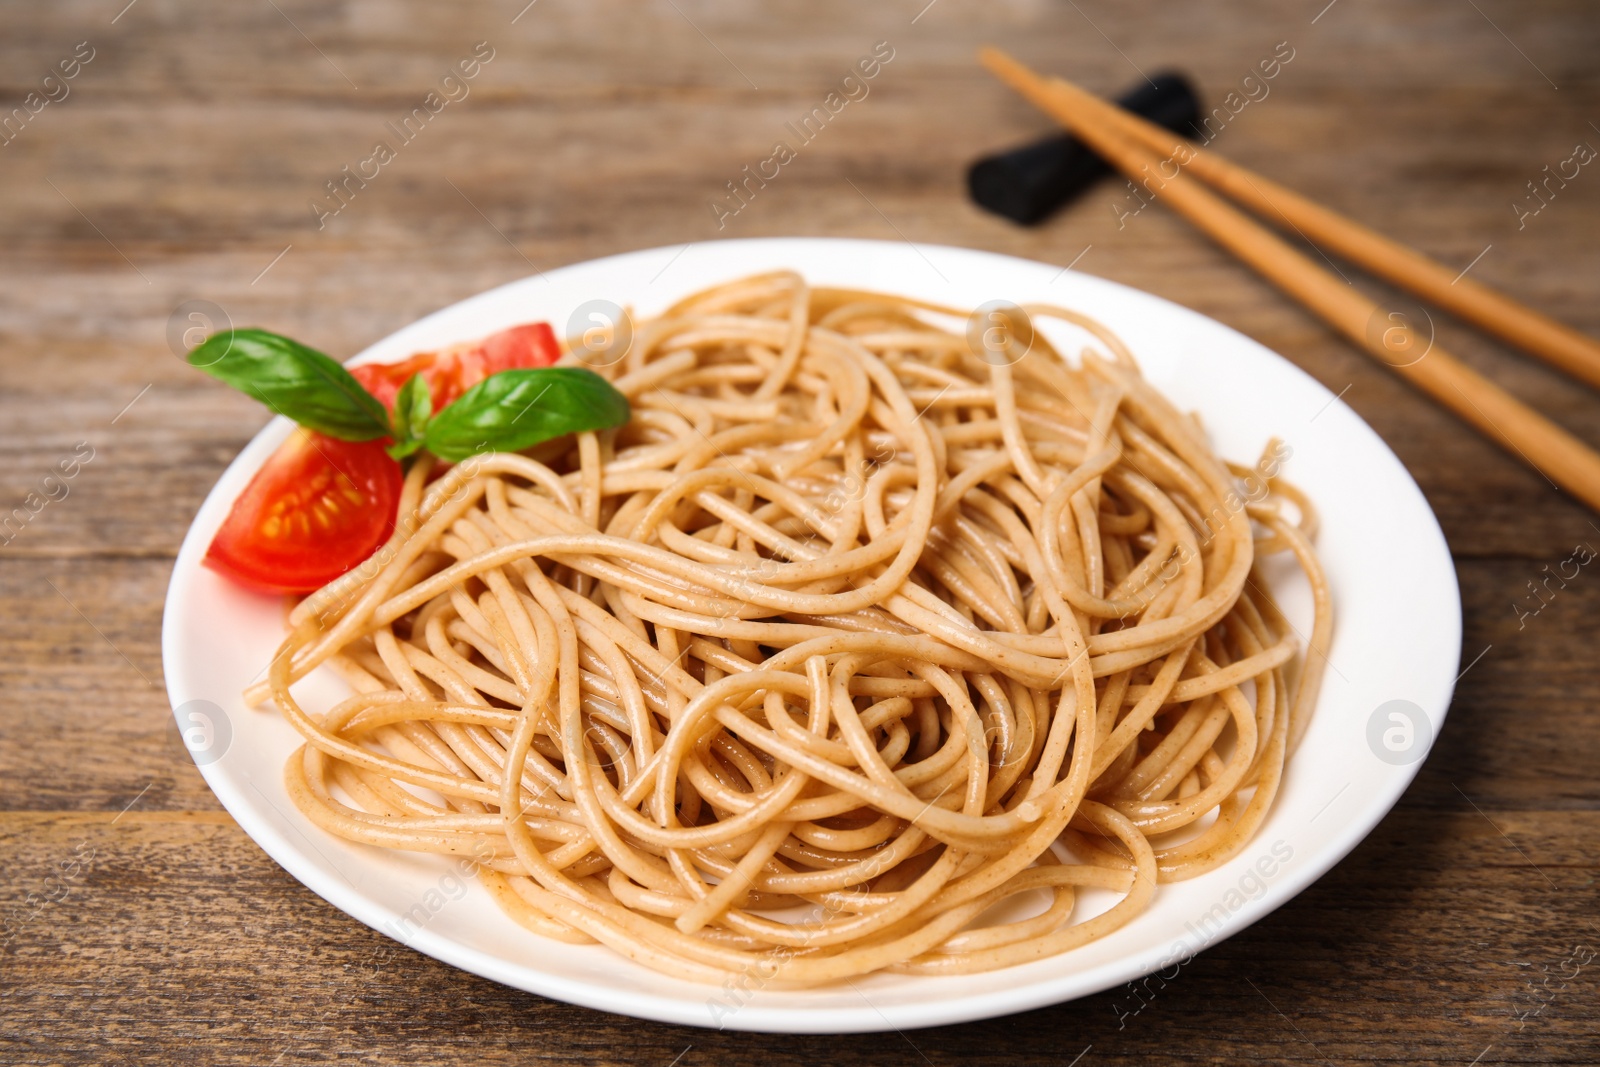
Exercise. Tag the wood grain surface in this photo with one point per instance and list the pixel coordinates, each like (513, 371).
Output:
(143, 927)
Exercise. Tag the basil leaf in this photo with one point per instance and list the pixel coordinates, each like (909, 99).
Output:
(413, 407)
(293, 380)
(414, 404)
(518, 409)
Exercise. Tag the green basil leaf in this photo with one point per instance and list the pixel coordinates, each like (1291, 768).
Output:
(293, 380)
(413, 407)
(518, 409)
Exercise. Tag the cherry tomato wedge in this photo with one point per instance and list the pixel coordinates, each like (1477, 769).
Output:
(452, 371)
(318, 508)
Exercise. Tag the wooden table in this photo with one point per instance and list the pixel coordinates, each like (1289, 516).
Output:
(181, 164)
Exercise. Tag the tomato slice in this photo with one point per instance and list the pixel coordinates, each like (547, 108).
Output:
(452, 371)
(318, 508)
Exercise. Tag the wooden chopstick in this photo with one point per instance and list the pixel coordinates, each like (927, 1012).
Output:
(1490, 310)
(1561, 458)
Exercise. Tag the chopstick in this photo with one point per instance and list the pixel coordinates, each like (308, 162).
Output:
(1561, 458)
(1490, 310)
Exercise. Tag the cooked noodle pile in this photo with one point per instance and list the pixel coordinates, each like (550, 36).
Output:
(854, 632)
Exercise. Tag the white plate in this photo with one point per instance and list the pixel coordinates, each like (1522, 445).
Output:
(1397, 639)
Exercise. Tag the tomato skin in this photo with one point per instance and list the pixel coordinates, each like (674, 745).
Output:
(316, 509)
(452, 371)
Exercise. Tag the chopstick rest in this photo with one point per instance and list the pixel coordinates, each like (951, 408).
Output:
(1028, 184)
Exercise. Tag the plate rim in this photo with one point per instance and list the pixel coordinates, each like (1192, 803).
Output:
(753, 1016)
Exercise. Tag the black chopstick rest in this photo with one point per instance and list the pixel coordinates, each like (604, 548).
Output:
(1027, 184)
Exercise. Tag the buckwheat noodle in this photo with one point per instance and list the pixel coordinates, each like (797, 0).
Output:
(856, 631)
